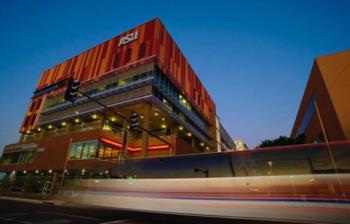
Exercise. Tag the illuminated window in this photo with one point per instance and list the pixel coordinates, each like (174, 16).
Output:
(83, 150)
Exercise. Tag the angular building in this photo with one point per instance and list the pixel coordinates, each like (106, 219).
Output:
(324, 112)
(142, 71)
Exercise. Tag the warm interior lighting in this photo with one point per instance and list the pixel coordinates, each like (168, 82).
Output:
(76, 120)
(113, 119)
(156, 113)
(50, 171)
(63, 124)
(130, 148)
(36, 171)
(24, 171)
(50, 126)
(163, 126)
(181, 128)
(141, 116)
(163, 119)
(189, 134)
(38, 129)
(202, 144)
(28, 132)
(94, 116)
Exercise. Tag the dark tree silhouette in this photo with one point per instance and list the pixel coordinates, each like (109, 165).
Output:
(282, 140)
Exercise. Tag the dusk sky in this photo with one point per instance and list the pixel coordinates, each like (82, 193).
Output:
(254, 57)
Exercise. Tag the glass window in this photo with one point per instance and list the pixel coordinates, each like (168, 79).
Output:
(107, 152)
(78, 151)
(92, 150)
(85, 152)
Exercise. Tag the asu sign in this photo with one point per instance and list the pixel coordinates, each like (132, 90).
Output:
(128, 38)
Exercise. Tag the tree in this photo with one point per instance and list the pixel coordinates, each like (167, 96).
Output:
(283, 140)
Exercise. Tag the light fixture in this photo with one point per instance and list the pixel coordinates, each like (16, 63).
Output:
(202, 144)
(163, 119)
(76, 112)
(28, 132)
(181, 128)
(106, 172)
(189, 134)
(156, 113)
(77, 120)
(113, 119)
(207, 148)
(50, 171)
(83, 170)
(63, 123)
(141, 116)
(163, 126)
(36, 171)
(94, 116)
(38, 129)
(165, 101)
(13, 172)
(24, 171)
(184, 101)
(49, 126)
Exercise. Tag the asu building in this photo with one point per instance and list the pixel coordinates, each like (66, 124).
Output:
(324, 112)
(142, 71)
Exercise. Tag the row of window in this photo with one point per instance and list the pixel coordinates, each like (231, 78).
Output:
(175, 94)
(174, 109)
(83, 150)
(115, 84)
(17, 157)
(88, 150)
(127, 57)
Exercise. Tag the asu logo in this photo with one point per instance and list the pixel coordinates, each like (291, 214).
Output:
(128, 38)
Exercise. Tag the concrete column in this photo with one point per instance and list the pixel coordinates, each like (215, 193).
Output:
(145, 123)
(193, 143)
(174, 134)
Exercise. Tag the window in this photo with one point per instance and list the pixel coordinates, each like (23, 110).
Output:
(128, 55)
(116, 61)
(142, 50)
(18, 157)
(107, 151)
(83, 150)
(310, 111)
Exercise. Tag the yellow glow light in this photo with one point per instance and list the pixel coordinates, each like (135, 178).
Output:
(50, 171)
(113, 119)
(76, 120)
(189, 134)
(50, 126)
(163, 126)
(156, 113)
(63, 124)
(181, 128)
(163, 119)
(38, 129)
(94, 116)
(202, 144)
(141, 116)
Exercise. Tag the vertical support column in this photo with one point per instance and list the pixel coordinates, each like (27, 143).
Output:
(193, 143)
(174, 132)
(145, 124)
(125, 141)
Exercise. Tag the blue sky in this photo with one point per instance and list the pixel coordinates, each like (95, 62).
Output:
(254, 57)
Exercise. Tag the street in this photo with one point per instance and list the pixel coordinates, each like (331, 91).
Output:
(28, 212)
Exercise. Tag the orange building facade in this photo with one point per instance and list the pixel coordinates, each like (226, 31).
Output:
(141, 70)
(324, 112)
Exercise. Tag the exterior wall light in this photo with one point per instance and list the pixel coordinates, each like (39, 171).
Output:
(50, 171)
(94, 116)
(36, 171)
(76, 120)
(63, 124)
(189, 134)
(24, 172)
(163, 126)
(181, 128)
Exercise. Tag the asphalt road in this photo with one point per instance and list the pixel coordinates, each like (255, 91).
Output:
(27, 213)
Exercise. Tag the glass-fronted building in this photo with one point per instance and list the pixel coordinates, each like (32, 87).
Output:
(141, 70)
